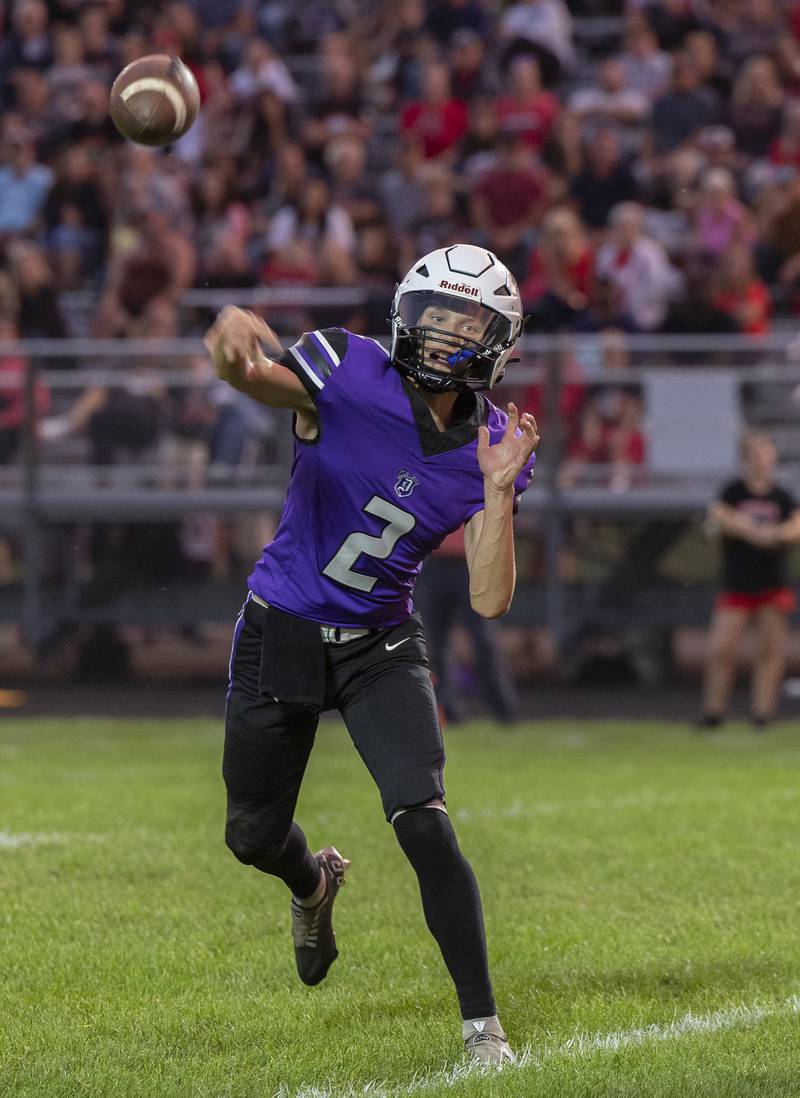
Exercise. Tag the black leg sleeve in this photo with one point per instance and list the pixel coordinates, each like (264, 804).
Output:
(452, 904)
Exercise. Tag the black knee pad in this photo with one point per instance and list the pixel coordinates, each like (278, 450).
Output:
(253, 839)
(426, 834)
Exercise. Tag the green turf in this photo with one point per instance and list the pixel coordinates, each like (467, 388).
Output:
(633, 875)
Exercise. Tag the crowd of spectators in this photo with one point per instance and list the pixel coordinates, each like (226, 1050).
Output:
(646, 181)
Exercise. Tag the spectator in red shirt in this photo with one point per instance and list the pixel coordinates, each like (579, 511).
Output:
(559, 285)
(12, 396)
(588, 447)
(626, 440)
(740, 293)
(507, 203)
(526, 110)
(437, 120)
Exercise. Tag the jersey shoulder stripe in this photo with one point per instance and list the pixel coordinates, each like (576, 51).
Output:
(315, 356)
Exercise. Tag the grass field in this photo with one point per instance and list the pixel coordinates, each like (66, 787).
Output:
(642, 893)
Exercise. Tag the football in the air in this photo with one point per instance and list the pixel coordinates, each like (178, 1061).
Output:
(154, 100)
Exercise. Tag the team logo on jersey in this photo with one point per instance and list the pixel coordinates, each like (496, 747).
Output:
(406, 483)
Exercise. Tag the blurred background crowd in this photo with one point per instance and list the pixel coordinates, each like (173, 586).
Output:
(636, 165)
(647, 181)
(643, 178)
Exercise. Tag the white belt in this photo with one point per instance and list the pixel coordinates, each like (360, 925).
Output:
(331, 634)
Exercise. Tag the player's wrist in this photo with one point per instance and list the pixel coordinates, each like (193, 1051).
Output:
(498, 492)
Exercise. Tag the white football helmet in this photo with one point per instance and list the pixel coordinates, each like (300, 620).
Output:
(455, 319)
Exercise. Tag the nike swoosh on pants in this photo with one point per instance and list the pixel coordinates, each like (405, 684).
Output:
(391, 647)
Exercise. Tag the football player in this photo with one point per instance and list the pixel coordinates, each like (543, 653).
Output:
(393, 451)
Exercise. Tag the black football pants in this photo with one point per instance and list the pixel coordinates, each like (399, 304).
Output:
(382, 687)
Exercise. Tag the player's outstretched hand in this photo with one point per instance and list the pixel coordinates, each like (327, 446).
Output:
(234, 342)
(502, 463)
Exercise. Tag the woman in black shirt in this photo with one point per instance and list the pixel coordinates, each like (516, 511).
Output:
(758, 521)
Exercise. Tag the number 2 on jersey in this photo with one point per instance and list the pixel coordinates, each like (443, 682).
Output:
(340, 568)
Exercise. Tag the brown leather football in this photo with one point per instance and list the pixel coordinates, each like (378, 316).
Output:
(154, 100)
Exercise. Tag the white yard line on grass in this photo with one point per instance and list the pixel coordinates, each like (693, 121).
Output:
(16, 840)
(517, 808)
(644, 798)
(579, 1045)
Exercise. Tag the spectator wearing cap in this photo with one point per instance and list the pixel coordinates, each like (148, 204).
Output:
(508, 201)
(646, 67)
(543, 28)
(683, 110)
(636, 271)
(609, 100)
(526, 110)
(757, 107)
(437, 120)
(604, 181)
(23, 184)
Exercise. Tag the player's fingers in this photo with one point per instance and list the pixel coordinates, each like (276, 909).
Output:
(211, 338)
(266, 335)
(513, 419)
(528, 418)
(483, 439)
(529, 429)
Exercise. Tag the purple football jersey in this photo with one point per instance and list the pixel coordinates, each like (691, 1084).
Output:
(374, 494)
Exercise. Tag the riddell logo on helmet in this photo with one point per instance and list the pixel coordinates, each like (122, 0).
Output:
(460, 288)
